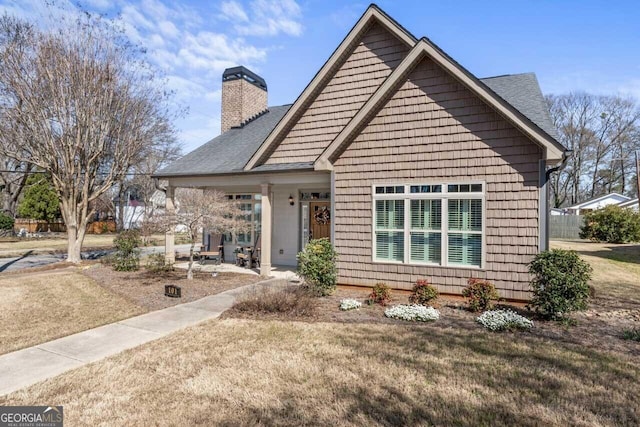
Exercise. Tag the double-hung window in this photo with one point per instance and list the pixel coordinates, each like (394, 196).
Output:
(431, 224)
(389, 224)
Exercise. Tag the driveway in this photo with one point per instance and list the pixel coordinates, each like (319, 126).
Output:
(28, 260)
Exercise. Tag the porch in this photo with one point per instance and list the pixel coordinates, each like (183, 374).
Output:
(285, 272)
(284, 209)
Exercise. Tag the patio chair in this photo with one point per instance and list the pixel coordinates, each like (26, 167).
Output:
(249, 256)
(214, 249)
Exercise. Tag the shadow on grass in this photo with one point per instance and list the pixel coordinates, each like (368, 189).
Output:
(622, 253)
(6, 265)
(469, 379)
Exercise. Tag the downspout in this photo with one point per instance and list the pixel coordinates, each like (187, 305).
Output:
(547, 174)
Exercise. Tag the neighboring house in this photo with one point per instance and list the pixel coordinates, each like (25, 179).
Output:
(412, 166)
(135, 210)
(558, 211)
(597, 203)
(630, 204)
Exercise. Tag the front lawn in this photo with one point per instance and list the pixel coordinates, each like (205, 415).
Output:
(248, 372)
(312, 364)
(39, 307)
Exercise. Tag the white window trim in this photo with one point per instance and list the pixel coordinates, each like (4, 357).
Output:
(254, 201)
(407, 196)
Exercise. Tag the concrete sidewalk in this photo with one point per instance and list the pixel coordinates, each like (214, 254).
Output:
(25, 367)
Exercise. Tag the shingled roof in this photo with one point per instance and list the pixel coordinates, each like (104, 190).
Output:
(523, 92)
(229, 152)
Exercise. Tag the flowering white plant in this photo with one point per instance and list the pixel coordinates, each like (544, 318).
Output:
(412, 312)
(349, 304)
(500, 320)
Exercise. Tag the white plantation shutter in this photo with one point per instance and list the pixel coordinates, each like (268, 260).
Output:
(390, 245)
(429, 223)
(426, 221)
(465, 232)
(389, 230)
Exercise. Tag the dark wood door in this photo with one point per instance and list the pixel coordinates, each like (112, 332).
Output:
(319, 220)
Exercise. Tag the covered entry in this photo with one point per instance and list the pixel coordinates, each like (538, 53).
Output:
(315, 215)
(284, 209)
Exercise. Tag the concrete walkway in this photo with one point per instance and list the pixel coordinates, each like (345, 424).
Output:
(25, 367)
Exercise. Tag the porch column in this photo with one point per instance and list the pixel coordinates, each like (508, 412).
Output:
(265, 248)
(169, 237)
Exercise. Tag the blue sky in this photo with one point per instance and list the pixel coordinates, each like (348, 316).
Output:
(592, 46)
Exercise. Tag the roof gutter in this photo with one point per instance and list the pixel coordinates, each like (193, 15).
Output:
(235, 173)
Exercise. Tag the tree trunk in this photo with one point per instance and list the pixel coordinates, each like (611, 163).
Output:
(120, 215)
(74, 245)
(190, 267)
(76, 219)
(8, 203)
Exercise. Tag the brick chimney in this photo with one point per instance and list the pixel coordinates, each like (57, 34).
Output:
(244, 96)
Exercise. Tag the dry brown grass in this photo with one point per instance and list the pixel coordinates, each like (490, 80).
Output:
(351, 371)
(244, 372)
(616, 271)
(35, 308)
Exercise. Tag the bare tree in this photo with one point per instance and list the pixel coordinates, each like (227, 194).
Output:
(14, 35)
(151, 160)
(198, 210)
(601, 132)
(84, 104)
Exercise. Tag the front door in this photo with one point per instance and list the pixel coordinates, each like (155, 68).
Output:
(319, 220)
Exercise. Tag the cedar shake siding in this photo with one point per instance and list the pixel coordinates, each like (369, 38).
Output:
(370, 63)
(435, 130)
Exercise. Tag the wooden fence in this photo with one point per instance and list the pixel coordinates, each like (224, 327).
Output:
(565, 226)
(40, 226)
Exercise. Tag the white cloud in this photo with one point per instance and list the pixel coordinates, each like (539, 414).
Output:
(265, 17)
(214, 52)
(233, 11)
(184, 88)
(168, 29)
(192, 46)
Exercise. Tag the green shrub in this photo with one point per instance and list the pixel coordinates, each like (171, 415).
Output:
(40, 199)
(317, 266)
(480, 294)
(611, 224)
(6, 221)
(127, 255)
(423, 293)
(631, 334)
(381, 294)
(157, 263)
(560, 283)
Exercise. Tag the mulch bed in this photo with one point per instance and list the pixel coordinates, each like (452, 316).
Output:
(594, 329)
(146, 289)
(326, 309)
